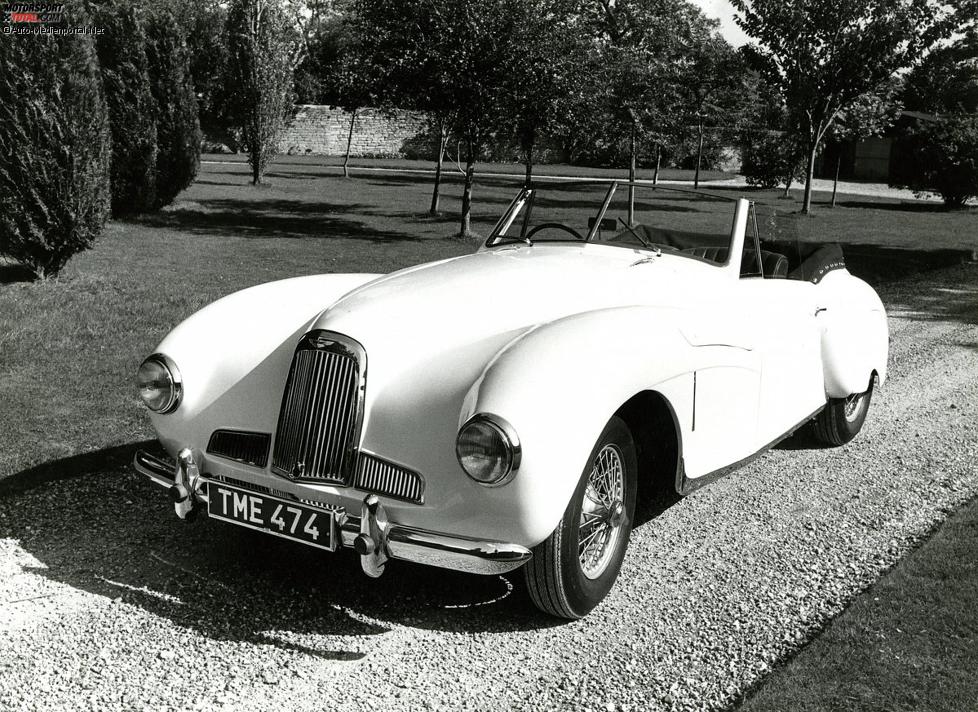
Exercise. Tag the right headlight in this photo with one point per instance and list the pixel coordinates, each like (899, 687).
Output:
(159, 384)
(488, 449)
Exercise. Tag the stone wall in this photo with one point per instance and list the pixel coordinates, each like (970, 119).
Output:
(323, 130)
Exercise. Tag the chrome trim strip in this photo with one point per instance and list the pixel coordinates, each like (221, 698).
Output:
(685, 485)
(472, 556)
(429, 548)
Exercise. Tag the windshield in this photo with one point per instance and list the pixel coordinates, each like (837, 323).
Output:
(694, 224)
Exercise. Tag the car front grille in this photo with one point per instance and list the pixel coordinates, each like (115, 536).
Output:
(322, 410)
(249, 448)
(382, 477)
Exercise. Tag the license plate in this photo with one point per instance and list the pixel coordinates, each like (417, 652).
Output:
(272, 515)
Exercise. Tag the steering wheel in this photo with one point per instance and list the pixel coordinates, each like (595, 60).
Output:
(556, 226)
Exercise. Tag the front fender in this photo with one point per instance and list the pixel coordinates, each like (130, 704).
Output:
(234, 355)
(560, 383)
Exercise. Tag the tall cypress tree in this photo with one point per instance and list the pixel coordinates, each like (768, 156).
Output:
(132, 109)
(261, 46)
(54, 148)
(178, 127)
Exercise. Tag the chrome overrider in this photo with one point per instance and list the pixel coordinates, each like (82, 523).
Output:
(372, 534)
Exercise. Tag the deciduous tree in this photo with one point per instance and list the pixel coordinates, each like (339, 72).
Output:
(645, 49)
(940, 149)
(870, 114)
(545, 80)
(447, 58)
(823, 54)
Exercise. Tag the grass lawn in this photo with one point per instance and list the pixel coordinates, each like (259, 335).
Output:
(69, 346)
(908, 643)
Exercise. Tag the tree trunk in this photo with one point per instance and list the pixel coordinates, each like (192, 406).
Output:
(349, 142)
(835, 183)
(806, 207)
(257, 164)
(528, 154)
(787, 188)
(699, 157)
(631, 178)
(658, 160)
(436, 191)
(465, 229)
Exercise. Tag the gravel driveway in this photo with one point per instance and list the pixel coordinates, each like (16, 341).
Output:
(109, 602)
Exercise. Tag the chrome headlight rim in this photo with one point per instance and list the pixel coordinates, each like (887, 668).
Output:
(176, 395)
(510, 439)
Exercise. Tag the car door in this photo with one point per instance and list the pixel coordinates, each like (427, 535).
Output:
(787, 336)
(788, 341)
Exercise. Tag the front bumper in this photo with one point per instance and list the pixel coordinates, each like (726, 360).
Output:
(371, 534)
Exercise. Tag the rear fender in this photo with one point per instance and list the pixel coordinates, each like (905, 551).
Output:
(855, 336)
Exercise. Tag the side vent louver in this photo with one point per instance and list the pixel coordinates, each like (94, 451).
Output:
(249, 448)
(386, 478)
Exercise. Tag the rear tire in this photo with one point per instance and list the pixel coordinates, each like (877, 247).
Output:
(843, 418)
(574, 568)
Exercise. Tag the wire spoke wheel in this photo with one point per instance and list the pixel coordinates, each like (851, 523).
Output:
(574, 568)
(601, 514)
(842, 418)
(852, 404)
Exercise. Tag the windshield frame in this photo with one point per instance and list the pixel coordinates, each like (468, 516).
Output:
(526, 198)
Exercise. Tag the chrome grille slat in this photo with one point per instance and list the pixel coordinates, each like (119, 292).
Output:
(386, 478)
(316, 411)
(318, 428)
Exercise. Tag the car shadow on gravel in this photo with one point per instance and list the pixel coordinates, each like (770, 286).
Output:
(113, 534)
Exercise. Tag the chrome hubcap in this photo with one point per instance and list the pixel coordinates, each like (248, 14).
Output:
(602, 512)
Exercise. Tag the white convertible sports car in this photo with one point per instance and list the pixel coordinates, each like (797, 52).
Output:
(505, 409)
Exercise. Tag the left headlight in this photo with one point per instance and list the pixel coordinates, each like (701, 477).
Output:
(159, 384)
(488, 449)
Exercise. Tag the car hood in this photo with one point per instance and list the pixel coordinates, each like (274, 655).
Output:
(501, 291)
(429, 332)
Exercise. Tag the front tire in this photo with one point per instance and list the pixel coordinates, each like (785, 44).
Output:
(574, 568)
(842, 419)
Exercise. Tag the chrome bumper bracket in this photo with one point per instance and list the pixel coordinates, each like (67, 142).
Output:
(371, 543)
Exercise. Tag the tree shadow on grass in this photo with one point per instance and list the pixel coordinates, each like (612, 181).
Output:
(11, 273)
(271, 218)
(96, 526)
(906, 206)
